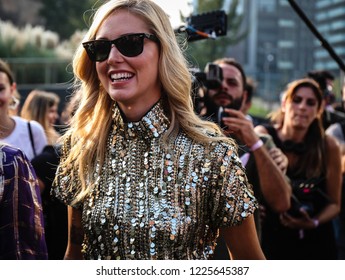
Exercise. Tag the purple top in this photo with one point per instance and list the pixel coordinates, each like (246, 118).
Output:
(22, 234)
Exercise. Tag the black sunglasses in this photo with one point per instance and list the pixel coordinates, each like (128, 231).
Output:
(128, 45)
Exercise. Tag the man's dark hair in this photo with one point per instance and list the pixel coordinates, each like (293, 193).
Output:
(233, 62)
(321, 77)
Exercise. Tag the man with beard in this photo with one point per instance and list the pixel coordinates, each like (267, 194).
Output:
(265, 164)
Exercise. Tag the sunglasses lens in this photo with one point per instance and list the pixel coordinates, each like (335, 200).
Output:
(101, 50)
(130, 45)
(97, 50)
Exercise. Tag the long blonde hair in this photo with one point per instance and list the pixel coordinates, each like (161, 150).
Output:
(92, 121)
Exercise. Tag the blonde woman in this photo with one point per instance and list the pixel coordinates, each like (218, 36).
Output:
(144, 177)
(42, 106)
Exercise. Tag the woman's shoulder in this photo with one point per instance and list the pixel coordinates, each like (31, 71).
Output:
(12, 161)
(332, 144)
(21, 123)
(221, 148)
(216, 144)
(219, 141)
(10, 152)
(36, 126)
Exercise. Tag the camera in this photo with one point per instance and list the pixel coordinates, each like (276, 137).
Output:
(222, 114)
(204, 26)
(212, 77)
(207, 25)
(297, 206)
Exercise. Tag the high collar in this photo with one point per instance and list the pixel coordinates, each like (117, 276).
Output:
(152, 125)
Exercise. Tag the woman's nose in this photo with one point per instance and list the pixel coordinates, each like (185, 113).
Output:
(114, 55)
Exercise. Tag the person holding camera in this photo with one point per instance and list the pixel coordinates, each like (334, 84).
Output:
(265, 164)
(144, 177)
(306, 230)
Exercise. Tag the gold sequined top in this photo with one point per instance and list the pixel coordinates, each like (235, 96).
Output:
(158, 202)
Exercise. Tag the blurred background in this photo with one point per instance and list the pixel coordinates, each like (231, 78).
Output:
(275, 46)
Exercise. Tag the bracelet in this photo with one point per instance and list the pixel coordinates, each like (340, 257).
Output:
(316, 223)
(258, 144)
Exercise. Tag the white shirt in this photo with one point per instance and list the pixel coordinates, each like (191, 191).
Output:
(20, 137)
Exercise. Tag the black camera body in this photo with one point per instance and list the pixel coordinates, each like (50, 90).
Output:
(204, 26)
(220, 115)
(308, 195)
(297, 206)
(213, 23)
(212, 77)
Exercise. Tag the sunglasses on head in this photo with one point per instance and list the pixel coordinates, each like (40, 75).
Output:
(128, 45)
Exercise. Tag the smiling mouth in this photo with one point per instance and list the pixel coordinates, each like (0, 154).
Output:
(121, 77)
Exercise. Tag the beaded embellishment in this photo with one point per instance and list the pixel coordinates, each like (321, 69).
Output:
(154, 201)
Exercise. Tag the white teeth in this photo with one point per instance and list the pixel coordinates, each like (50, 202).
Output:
(121, 76)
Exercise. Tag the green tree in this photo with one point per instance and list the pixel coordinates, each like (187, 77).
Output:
(66, 16)
(202, 51)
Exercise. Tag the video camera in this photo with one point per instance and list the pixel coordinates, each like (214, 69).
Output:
(212, 77)
(207, 25)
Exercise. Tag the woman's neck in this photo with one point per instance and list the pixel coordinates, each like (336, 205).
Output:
(7, 125)
(289, 133)
(136, 113)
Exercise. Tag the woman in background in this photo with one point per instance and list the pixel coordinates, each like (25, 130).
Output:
(55, 212)
(42, 106)
(306, 230)
(14, 130)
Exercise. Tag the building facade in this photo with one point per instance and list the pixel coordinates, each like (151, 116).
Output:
(280, 45)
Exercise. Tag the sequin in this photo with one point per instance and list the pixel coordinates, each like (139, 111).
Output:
(150, 198)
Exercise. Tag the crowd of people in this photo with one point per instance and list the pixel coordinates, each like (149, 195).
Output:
(136, 172)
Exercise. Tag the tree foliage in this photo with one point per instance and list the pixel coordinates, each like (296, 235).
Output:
(202, 51)
(66, 16)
